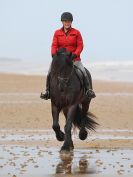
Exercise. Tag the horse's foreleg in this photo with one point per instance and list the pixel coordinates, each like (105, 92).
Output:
(68, 138)
(65, 111)
(56, 126)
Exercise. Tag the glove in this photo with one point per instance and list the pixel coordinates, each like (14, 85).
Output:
(73, 56)
(53, 55)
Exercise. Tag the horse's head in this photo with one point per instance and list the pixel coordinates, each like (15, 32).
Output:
(62, 67)
(63, 59)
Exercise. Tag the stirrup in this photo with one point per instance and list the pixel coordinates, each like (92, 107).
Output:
(45, 95)
(90, 93)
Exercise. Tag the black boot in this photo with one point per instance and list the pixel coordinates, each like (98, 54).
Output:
(46, 94)
(88, 91)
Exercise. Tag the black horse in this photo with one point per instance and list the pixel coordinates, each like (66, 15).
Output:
(67, 95)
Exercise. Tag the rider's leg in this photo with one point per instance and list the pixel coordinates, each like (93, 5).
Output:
(46, 94)
(89, 91)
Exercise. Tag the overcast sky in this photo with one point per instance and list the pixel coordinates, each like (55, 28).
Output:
(27, 27)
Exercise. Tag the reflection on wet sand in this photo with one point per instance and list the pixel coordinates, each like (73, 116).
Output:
(38, 160)
(65, 166)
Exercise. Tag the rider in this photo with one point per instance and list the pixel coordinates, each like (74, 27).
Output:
(71, 39)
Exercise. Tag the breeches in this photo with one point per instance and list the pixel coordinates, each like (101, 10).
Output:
(81, 67)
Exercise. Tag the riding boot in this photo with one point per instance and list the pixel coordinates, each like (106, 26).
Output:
(89, 92)
(46, 94)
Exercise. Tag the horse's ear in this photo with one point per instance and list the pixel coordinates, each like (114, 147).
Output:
(69, 60)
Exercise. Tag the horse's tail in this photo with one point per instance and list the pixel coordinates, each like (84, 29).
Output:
(89, 122)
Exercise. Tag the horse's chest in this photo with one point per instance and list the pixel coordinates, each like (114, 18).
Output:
(62, 99)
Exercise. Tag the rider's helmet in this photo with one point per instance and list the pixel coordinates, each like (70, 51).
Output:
(67, 16)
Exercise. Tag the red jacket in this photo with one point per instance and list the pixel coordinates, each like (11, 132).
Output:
(73, 42)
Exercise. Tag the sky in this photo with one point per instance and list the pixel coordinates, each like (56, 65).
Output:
(27, 27)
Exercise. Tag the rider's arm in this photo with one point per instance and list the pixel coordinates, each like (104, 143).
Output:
(54, 45)
(79, 45)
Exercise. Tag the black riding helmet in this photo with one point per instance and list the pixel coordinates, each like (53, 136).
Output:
(67, 16)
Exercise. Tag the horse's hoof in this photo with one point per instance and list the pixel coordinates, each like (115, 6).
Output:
(83, 134)
(65, 149)
(60, 136)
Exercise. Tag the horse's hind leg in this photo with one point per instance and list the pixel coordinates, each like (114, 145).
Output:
(56, 126)
(85, 107)
(68, 138)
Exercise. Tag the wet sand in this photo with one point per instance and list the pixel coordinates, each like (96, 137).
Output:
(25, 130)
(99, 139)
(45, 161)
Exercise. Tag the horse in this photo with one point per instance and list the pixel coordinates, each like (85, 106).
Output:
(67, 94)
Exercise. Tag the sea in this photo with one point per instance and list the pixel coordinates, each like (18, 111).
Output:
(120, 70)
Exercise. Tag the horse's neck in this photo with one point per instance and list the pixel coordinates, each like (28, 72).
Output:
(66, 72)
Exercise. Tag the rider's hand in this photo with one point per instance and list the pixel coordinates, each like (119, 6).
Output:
(53, 55)
(73, 56)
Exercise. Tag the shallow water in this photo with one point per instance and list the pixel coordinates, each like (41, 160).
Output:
(7, 135)
(16, 160)
(101, 70)
(45, 159)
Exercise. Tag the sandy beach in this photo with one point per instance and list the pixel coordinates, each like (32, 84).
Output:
(22, 108)
(26, 124)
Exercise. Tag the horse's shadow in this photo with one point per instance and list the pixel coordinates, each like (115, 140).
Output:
(68, 166)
